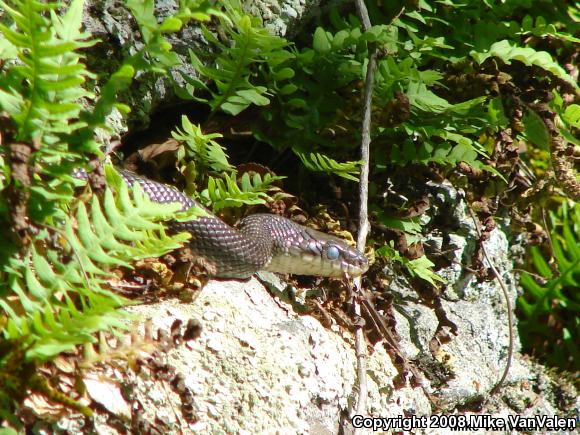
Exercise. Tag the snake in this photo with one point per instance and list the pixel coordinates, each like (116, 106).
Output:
(259, 242)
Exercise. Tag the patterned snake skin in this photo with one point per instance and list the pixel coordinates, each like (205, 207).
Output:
(261, 241)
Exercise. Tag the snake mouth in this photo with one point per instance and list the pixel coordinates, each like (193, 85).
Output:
(355, 267)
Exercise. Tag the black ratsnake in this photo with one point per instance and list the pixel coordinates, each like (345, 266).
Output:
(260, 241)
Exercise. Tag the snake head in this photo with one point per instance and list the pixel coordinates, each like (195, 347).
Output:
(310, 252)
(300, 250)
(337, 258)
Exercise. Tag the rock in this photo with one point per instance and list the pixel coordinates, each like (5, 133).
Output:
(259, 367)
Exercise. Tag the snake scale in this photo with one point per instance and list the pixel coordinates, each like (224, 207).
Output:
(259, 242)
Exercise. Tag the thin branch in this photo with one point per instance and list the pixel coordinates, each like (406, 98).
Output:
(547, 229)
(363, 14)
(360, 343)
(506, 295)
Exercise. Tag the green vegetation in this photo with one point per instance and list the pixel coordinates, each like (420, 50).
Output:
(470, 91)
(550, 307)
(57, 253)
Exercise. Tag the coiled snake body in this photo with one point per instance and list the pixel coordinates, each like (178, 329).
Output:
(260, 241)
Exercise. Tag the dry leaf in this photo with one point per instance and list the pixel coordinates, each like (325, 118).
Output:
(107, 394)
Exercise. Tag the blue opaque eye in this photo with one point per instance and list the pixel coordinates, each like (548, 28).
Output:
(333, 253)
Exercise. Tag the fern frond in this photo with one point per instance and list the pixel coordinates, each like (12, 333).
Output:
(55, 289)
(42, 93)
(322, 163)
(508, 51)
(229, 192)
(251, 46)
(201, 147)
(420, 267)
(63, 293)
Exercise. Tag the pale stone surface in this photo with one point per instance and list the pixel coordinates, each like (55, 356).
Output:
(259, 367)
(262, 368)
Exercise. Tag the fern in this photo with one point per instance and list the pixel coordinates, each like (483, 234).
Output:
(201, 147)
(436, 130)
(238, 61)
(322, 163)
(54, 279)
(49, 73)
(157, 56)
(229, 192)
(43, 90)
(550, 306)
(507, 51)
(572, 115)
(421, 267)
(541, 28)
(410, 227)
(63, 293)
(200, 153)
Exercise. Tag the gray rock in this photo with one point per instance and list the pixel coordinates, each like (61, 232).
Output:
(260, 367)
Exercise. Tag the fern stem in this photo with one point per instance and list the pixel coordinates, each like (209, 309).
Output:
(237, 74)
(25, 128)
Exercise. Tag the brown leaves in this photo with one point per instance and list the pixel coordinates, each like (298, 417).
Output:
(180, 274)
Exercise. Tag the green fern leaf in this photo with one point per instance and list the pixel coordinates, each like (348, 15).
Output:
(91, 242)
(34, 286)
(322, 163)
(29, 305)
(508, 51)
(420, 267)
(114, 215)
(202, 148)
(50, 64)
(42, 268)
(93, 246)
(236, 64)
(229, 192)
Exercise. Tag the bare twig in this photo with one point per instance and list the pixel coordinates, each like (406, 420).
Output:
(392, 341)
(363, 14)
(360, 343)
(506, 295)
(547, 229)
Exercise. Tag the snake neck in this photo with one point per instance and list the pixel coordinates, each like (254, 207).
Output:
(228, 252)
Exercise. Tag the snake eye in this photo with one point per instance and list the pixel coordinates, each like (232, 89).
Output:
(332, 253)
